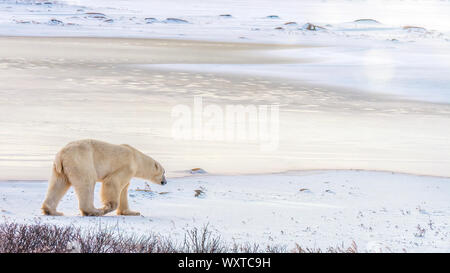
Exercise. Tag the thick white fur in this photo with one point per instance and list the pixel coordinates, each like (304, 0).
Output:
(82, 163)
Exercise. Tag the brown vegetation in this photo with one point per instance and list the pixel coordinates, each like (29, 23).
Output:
(45, 238)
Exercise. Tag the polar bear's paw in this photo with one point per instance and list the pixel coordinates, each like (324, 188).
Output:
(128, 213)
(47, 211)
(53, 213)
(95, 212)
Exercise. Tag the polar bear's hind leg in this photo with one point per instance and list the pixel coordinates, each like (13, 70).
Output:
(58, 186)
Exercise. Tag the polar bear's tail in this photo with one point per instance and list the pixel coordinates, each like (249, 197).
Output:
(58, 164)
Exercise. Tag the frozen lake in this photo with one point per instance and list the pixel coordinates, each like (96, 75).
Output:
(400, 48)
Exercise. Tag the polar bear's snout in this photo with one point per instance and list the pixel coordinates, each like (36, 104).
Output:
(163, 181)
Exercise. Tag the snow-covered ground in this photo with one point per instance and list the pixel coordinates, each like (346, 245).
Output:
(380, 211)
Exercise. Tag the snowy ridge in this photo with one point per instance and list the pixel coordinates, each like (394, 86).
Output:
(156, 19)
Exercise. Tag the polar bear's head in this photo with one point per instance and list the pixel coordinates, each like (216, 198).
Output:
(158, 176)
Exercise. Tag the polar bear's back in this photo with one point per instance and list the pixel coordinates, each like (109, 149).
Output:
(91, 155)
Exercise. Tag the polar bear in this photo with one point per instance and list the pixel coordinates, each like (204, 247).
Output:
(82, 163)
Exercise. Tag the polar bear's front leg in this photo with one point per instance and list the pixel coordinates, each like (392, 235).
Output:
(123, 203)
(85, 192)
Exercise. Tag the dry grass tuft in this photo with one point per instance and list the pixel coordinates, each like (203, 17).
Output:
(146, 188)
(338, 249)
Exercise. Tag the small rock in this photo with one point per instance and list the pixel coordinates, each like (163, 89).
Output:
(22, 22)
(150, 20)
(175, 20)
(197, 171)
(415, 29)
(199, 193)
(367, 21)
(312, 27)
(95, 15)
(55, 22)
(273, 17)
